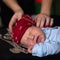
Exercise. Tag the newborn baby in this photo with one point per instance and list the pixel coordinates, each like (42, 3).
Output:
(38, 41)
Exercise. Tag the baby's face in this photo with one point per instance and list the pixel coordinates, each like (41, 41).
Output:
(32, 36)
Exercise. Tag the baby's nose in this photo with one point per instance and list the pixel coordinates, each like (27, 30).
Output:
(31, 37)
(32, 43)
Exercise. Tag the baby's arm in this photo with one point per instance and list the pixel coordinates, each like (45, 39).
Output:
(46, 48)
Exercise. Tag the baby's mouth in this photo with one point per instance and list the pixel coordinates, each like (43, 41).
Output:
(38, 39)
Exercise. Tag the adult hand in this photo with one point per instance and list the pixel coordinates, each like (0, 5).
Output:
(43, 20)
(17, 16)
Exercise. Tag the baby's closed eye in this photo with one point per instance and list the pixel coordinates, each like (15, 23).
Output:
(30, 37)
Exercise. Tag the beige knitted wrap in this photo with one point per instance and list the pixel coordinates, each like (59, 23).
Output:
(16, 48)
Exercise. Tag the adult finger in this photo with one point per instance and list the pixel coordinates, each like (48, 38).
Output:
(42, 22)
(47, 21)
(38, 22)
(11, 23)
(51, 23)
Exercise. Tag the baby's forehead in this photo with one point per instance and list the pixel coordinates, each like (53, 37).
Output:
(33, 28)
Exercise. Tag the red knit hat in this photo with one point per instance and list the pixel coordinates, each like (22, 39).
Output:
(21, 26)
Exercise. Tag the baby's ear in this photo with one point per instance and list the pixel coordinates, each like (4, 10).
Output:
(29, 50)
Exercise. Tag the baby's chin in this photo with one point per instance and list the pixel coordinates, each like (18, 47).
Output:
(30, 49)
